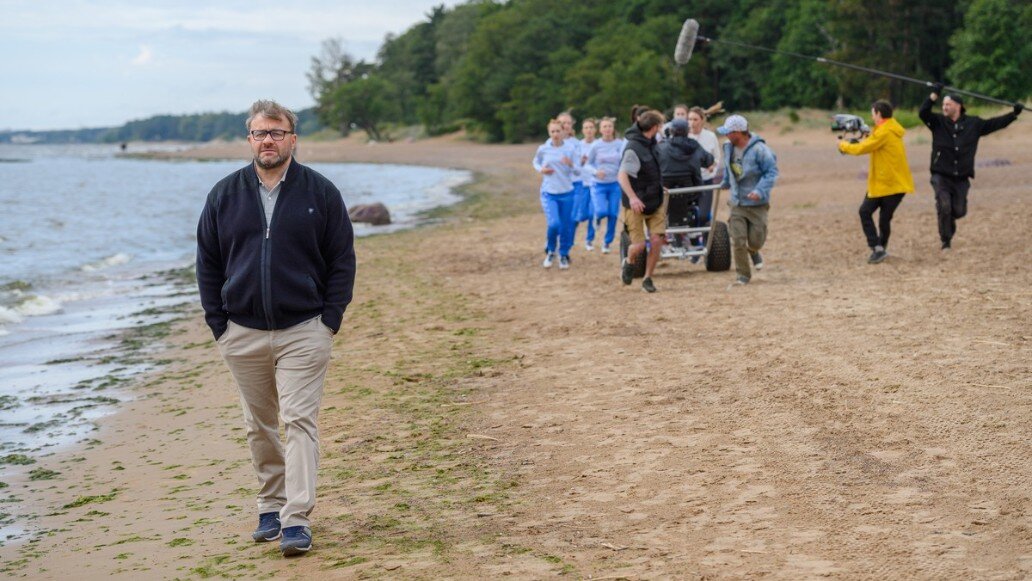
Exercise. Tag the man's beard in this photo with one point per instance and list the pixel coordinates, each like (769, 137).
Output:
(274, 163)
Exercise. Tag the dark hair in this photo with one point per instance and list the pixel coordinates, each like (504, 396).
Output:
(883, 107)
(650, 118)
(637, 110)
(700, 112)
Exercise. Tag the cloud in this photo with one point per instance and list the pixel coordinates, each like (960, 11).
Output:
(144, 57)
(130, 58)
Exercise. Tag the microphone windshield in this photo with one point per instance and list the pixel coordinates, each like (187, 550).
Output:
(686, 42)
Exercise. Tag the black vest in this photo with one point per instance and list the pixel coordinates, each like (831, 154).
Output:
(648, 186)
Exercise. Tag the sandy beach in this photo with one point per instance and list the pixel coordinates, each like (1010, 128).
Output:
(484, 417)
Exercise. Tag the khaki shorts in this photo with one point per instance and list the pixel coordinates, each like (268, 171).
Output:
(635, 223)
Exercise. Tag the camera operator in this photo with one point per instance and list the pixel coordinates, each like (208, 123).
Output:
(888, 178)
(954, 143)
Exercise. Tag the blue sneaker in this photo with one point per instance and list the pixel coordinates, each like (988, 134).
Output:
(296, 541)
(268, 528)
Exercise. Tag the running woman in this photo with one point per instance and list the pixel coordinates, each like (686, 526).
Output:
(603, 164)
(555, 161)
(583, 208)
(579, 192)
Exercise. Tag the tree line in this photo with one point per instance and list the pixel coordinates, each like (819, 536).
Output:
(502, 69)
(198, 127)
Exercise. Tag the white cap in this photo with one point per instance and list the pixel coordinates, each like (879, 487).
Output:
(733, 123)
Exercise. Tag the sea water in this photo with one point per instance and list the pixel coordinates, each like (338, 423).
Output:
(85, 235)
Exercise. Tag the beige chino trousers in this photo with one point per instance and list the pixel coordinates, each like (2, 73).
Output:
(280, 375)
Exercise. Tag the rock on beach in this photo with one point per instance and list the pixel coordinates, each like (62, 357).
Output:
(376, 214)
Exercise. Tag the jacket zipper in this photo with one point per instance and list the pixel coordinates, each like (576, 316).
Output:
(263, 265)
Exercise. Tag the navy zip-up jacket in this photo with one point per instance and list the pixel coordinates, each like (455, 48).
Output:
(276, 275)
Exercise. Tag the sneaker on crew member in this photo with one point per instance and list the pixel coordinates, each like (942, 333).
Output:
(549, 259)
(879, 254)
(757, 260)
(739, 281)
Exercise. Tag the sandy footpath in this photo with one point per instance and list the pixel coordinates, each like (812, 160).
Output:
(484, 417)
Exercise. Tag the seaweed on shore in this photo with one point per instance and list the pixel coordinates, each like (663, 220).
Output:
(16, 459)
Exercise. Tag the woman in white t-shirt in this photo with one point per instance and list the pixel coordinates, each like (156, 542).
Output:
(708, 140)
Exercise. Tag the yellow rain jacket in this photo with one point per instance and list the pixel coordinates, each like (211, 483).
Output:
(889, 172)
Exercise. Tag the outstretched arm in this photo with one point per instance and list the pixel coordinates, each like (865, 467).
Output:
(997, 123)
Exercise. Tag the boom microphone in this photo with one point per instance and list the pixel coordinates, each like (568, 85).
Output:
(686, 42)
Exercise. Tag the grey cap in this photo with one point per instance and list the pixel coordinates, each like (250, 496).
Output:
(732, 124)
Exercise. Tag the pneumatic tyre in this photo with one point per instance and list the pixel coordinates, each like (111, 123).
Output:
(718, 259)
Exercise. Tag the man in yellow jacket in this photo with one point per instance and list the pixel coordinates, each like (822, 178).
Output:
(888, 178)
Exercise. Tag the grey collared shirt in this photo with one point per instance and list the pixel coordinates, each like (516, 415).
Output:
(269, 197)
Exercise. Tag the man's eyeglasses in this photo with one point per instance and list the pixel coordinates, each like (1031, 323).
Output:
(277, 134)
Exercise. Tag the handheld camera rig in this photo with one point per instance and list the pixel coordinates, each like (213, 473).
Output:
(850, 125)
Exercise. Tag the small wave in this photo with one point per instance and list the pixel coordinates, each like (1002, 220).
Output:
(114, 260)
(8, 316)
(35, 306)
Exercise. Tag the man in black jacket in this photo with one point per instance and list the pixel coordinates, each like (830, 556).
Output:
(276, 269)
(644, 201)
(954, 143)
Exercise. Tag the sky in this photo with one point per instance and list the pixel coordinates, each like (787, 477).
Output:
(70, 64)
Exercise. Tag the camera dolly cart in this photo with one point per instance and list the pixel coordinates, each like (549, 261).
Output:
(690, 232)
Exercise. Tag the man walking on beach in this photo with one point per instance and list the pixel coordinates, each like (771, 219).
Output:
(276, 269)
(750, 170)
(954, 143)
